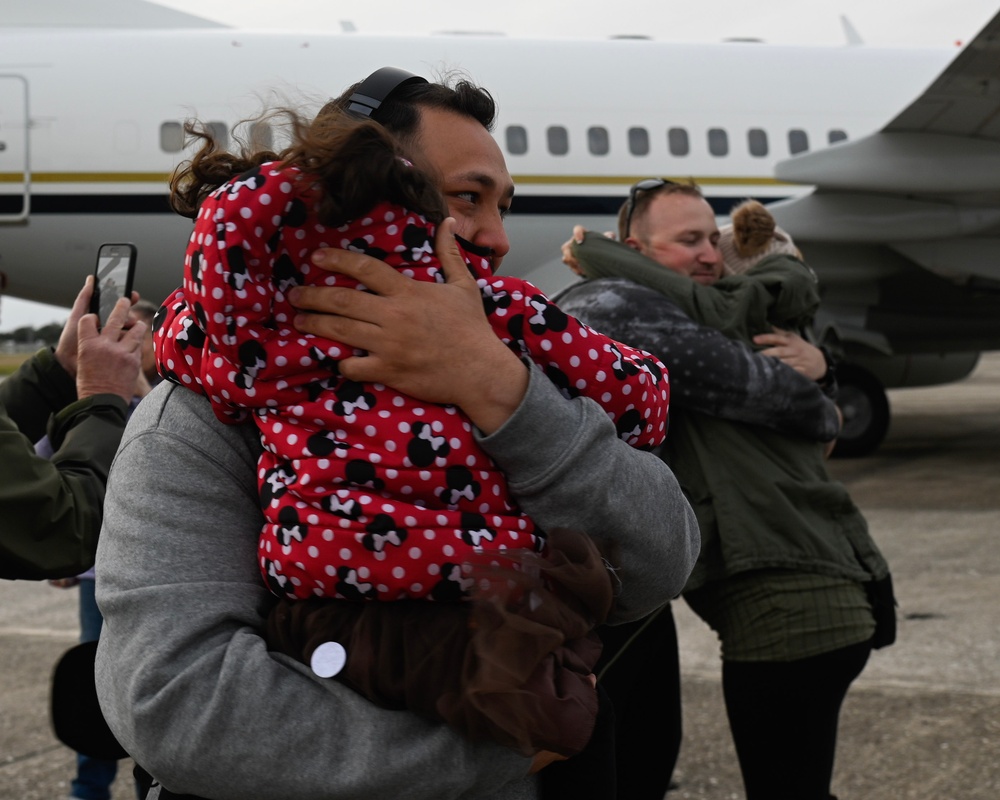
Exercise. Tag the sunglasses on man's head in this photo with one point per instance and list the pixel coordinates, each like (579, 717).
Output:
(642, 186)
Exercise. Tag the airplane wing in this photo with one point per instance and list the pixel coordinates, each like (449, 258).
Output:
(964, 100)
(929, 175)
(903, 230)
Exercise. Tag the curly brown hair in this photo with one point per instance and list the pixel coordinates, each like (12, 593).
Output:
(356, 162)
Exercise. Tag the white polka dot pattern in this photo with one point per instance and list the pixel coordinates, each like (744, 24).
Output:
(367, 493)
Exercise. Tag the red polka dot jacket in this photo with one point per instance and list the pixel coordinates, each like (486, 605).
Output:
(367, 493)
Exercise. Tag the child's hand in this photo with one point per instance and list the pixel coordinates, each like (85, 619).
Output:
(542, 759)
(567, 249)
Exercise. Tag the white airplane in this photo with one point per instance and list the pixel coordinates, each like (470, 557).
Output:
(892, 188)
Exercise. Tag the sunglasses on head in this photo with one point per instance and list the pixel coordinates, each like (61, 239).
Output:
(646, 185)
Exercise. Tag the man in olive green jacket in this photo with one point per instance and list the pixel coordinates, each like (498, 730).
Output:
(78, 393)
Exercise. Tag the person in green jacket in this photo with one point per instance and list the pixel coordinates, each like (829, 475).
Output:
(77, 393)
(789, 576)
(764, 283)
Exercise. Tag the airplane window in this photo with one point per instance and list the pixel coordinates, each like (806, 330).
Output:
(836, 135)
(798, 141)
(757, 142)
(171, 137)
(517, 140)
(597, 141)
(220, 132)
(677, 141)
(558, 138)
(638, 141)
(718, 142)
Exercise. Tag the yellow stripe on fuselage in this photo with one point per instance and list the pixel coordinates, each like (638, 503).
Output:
(87, 177)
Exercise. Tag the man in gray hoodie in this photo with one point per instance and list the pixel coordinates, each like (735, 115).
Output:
(184, 677)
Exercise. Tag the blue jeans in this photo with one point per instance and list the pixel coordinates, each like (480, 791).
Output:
(94, 776)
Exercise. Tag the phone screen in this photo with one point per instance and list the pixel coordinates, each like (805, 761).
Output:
(113, 277)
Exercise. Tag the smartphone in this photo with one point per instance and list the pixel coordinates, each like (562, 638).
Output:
(112, 278)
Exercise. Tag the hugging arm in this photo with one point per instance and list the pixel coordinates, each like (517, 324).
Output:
(630, 384)
(567, 468)
(183, 674)
(563, 459)
(709, 372)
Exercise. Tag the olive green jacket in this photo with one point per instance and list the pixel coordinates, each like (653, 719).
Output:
(51, 509)
(761, 492)
(778, 291)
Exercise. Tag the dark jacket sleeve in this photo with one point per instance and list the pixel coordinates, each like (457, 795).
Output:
(709, 372)
(50, 509)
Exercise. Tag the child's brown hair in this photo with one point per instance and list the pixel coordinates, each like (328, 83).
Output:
(356, 162)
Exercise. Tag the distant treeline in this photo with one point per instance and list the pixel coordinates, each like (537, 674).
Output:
(21, 337)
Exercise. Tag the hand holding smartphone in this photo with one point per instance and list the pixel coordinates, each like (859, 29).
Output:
(112, 278)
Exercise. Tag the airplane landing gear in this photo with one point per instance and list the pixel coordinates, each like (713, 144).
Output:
(866, 412)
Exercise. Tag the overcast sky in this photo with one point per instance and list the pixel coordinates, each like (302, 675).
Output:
(882, 22)
(932, 23)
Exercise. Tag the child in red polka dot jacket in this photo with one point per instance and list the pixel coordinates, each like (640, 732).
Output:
(376, 504)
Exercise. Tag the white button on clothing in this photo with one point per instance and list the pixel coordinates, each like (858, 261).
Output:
(328, 659)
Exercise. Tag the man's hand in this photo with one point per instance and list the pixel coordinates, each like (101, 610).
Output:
(428, 340)
(794, 351)
(66, 348)
(108, 360)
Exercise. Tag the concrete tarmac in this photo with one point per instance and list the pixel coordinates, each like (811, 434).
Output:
(923, 720)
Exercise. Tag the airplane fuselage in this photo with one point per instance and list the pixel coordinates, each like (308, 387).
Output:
(91, 127)
(89, 122)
